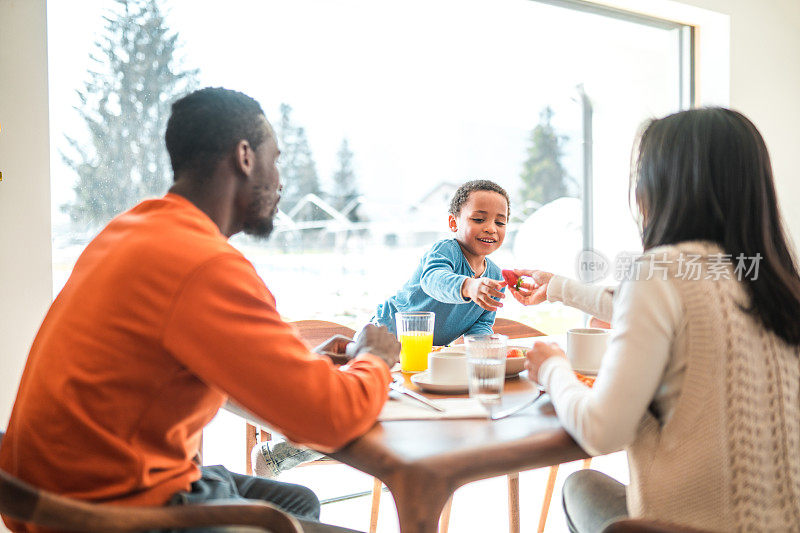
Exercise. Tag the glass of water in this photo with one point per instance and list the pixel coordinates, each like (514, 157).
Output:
(486, 366)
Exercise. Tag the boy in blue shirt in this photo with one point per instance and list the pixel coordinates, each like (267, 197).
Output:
(455, 279)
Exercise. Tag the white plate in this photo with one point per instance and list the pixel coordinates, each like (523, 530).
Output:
(423, 381)
(514, 365)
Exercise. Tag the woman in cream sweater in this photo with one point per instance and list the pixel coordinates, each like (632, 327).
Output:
(701, 379)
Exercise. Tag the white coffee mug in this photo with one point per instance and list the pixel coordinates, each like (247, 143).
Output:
(586, 347)
(448, 368)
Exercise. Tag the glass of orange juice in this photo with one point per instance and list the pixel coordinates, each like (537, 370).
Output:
(415, 333)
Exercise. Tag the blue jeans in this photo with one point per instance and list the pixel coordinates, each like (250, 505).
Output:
(217, 483)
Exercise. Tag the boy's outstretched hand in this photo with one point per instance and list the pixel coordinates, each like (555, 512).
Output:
(484, 291)
(531, 293)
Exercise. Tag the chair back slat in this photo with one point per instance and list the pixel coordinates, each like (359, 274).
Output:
(513, 329)
(314, 332)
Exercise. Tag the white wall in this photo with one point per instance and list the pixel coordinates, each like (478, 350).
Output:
(764, 84)
(25, 259)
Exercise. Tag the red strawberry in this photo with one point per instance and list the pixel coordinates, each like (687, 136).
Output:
(515, 352)
(510, 278)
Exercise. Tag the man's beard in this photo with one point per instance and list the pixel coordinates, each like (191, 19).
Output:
(260, 228)
(256, 224)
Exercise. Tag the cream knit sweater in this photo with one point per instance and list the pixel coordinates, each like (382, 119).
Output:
(719, 446)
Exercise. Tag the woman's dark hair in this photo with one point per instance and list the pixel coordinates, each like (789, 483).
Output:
(705, 174)
(206, 124)
(463, 192)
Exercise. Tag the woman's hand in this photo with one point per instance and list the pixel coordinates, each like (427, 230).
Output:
(484, 291)
(531, 293)
(541, 352)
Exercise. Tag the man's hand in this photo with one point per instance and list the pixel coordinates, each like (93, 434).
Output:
(541, 352)
(335, 349)
(379, 342)
(531, 293)
(484, 291)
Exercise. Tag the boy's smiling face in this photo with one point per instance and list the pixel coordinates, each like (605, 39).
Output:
(480, 226)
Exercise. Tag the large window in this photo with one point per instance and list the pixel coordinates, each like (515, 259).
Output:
(384, 108)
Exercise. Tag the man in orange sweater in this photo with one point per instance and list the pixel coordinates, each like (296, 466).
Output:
(162, 321)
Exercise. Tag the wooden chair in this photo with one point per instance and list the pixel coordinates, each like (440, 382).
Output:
(21, 501)
(315, 332)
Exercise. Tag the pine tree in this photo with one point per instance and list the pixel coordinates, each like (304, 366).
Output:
(345, 190)
(125, 105)
(297, 167)
(544, 178)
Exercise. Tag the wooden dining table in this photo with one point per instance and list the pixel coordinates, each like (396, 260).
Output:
(423, 461)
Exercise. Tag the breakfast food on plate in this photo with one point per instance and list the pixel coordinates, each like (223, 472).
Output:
(515, 352)
(586, 380)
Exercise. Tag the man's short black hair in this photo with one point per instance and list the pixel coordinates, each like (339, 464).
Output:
(463, 192)
(207, 123)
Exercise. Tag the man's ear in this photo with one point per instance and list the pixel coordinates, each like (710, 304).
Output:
(453, 223)
(244, 157)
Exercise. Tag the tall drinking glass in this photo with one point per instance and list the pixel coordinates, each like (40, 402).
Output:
(486, 366)
(415, 333)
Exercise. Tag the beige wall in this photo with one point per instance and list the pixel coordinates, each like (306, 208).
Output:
(764, 74)
(25, 264)
(764, 84)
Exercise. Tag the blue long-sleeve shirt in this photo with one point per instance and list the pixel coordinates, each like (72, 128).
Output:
(436, 286)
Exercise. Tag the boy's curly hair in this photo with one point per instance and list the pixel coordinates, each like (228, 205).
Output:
(463, 192)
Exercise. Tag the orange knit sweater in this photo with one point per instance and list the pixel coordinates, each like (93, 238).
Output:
(161, 321)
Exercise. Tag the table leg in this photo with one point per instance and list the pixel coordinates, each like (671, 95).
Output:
(444, 520)
(419, 501)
